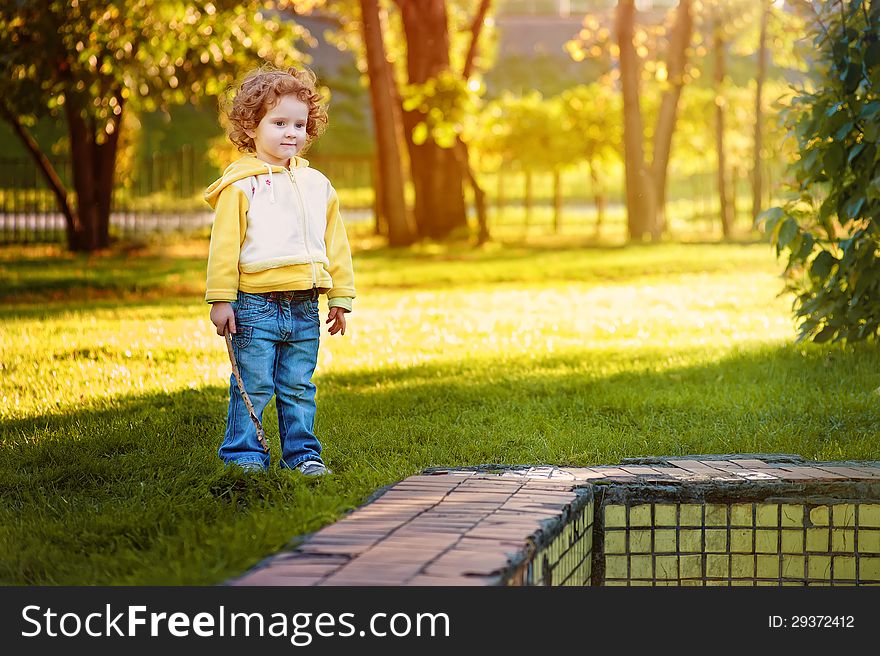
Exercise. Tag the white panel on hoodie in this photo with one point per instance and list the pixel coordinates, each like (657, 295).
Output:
(278, 233)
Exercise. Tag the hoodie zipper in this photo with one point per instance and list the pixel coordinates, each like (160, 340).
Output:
(305, 227)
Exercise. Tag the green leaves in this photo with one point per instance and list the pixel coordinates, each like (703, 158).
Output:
(831, 232)
(540, 133)
(833, 160)
(821, 267)
(788, 230)
(770, 218)
(445, 103)
(152, 53)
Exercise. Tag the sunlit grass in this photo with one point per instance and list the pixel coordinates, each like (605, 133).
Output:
(113, 390)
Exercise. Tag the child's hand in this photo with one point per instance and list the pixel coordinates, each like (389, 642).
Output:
(223, 317)
(337, 316)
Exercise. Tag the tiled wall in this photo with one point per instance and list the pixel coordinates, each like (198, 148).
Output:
(763, 543)
(567, 558)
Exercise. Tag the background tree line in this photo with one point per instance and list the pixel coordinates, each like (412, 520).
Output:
(425, 65)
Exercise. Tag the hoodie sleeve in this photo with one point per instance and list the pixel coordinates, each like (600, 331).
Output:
(227, 233)
(339, 254)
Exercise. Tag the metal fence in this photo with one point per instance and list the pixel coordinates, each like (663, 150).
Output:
(163, 193)
(160, 193)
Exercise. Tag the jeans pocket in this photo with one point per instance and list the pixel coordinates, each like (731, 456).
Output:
(309, 310)
(242, 337)
(253, 308)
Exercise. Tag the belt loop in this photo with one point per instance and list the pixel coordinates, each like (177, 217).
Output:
(314, 294)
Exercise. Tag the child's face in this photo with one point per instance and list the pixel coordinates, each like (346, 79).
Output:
(281, 133)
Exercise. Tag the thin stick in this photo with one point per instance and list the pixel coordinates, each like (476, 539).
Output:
(244, 395)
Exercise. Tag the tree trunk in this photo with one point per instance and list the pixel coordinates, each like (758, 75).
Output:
(757, 174)
(499, 199)
(379, 211)
(463, 154)
(640, 202)
(93, 168)
(734, 188)
(599, 198)
(528, 200)
(436, 172)
(557, 200)
(676, 60)
(389, 181)
(461, 146)
(718, 44)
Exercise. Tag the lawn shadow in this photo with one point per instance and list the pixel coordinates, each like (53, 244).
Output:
(135, 494)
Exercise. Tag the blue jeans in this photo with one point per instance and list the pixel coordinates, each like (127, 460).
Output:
(276, 347)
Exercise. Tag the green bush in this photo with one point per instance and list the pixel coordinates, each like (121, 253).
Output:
(831, 229)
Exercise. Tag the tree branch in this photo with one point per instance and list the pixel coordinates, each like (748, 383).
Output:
(476, 28)
(45, 166)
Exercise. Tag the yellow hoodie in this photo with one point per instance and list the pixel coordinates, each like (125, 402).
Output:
(277, 229)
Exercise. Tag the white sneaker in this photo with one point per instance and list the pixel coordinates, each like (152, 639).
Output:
(250, 467)
(313, 468)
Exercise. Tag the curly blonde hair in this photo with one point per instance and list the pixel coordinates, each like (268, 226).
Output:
(246, 104)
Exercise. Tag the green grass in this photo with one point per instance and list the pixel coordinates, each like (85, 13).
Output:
(113, 390)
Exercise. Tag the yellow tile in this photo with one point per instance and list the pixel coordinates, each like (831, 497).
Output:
(641, 583)
(716, 540)
(639, 541)
(717, 566)
(819, 567)
(818, 584)
(869, 541)
(666, 584)
(792, 584)
(793, 541)
(741, 540)
(615, 516)
(716, 514)
(615, 542)
(768, 567)
(750, 584)
(716, 583)
(843, 514)
(617, 583)
(640, 515)
(869, 569)
(869, 515)
(666, 567)
(537, 568)
(767, 584)
(793, 567)
(691, 583)
(664, 514)
(767, 514)
(664, 541)
(691, 514)
(741, 514)
(817, 540)
(819, 516)
(691, 567)
(792, 515)
(690, 541)
(766, 541)
(640, 567)
(842, 540)
(615, 567)
(844, 568)
(742, 567)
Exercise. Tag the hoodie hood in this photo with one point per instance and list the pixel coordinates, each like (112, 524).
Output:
(245, 167)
